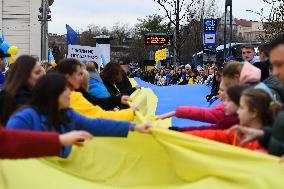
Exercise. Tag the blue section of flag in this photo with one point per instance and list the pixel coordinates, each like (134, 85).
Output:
(170, 97)
(72, 36)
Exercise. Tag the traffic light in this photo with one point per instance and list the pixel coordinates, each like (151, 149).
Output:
(44, 11)
(228, 3)
(40, 9)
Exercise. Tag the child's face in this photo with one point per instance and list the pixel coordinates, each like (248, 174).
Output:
(222, 90)
(229, 106)
(244, 114)
(218, 78)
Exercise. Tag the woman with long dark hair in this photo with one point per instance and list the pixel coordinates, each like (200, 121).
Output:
(111, 76)
(17, 90)
(49, 111)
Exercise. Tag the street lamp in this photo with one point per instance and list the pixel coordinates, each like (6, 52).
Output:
(228, 3)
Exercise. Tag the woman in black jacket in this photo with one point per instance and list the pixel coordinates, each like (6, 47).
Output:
(17, 90)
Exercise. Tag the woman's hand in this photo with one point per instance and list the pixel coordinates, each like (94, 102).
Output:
(134, 108)
(166, 115)
(248, 134)
(74, 137)
(125, 99)
(138, 87)
(143, 128)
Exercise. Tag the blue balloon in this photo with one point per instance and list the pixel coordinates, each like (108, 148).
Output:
(5, 46)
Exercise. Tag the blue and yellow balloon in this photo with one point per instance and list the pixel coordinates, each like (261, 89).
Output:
(8, 49)
(5, 47)
(13, 50)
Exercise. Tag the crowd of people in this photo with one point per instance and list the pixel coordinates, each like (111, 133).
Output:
(47, 109)
(209, 75)
(182, 75)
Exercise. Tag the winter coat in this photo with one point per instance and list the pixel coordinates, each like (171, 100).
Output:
(105, 103)
(97, 87)
(275, 87)
(30, 119)
(265, 69)
(225, 137)
(84, 107)
(22, 97)
(125, 86)
(274, 136)
(250, 74)
(17, 144)
(213, 115)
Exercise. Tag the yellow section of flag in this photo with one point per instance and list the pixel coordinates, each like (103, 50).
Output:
(161, 159)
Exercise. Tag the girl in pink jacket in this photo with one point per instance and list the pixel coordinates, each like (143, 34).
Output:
(233, 73)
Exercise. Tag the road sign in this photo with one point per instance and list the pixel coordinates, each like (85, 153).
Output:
(209, 39)
(210, 25)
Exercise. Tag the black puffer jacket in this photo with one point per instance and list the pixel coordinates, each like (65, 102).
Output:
(275, 87)
(274, 136)
(105, 103)
(8, 104)
(125, 86)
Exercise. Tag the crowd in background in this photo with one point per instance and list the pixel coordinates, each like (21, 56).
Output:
(77, 101)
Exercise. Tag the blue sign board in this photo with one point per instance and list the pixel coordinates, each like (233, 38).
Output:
(210, 25)
(209, 39)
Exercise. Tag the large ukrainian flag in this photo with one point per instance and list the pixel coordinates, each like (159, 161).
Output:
(162, 159)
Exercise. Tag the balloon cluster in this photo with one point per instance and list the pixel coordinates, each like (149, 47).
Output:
(8, 49)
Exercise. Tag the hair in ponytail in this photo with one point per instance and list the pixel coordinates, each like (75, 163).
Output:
(260, 101)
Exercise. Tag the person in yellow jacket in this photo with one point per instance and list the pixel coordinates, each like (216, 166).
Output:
(191, 81)
(72, 69)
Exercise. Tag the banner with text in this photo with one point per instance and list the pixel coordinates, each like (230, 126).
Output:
(84, 53)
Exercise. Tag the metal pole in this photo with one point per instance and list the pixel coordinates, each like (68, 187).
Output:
(175, 48)
(44, 30)
(231, 30)
(225, 34)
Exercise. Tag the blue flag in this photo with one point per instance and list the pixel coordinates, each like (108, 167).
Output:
(72, 36)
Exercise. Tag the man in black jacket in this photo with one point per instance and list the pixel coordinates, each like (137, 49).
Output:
(263, 64)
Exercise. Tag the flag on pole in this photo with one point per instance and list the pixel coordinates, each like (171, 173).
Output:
(72, 36)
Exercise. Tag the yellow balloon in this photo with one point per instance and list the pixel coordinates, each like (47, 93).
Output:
(11, 60)
(13, 50)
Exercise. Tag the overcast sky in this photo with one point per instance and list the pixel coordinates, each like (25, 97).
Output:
(79, 14)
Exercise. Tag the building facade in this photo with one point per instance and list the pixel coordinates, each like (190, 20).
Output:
(249, 30)
(20, 26)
